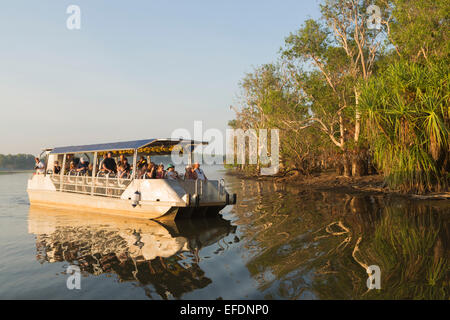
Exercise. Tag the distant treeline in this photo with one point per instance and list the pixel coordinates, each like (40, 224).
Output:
(16, 162)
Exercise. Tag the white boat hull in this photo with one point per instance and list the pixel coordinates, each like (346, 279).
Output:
(111, 206)
(160, 199)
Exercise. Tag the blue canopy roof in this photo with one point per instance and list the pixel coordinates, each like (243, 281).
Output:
(125, 145)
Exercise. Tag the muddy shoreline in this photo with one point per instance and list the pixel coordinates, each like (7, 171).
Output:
(331, 182)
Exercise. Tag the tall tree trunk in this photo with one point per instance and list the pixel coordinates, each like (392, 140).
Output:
(359, 159)
(360, 163)
(357, 117)
(346, 163)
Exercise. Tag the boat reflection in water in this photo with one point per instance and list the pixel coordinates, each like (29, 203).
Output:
(147, 252)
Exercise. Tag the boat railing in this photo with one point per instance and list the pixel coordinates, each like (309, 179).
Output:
(108, 185)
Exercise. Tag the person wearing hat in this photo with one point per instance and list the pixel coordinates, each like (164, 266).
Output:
(82, 166)
(171, 174)
(189, 174)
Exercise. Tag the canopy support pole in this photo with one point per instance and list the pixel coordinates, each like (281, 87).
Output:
(63, 168)
(190, 157)
(94, 173)
(135, 164)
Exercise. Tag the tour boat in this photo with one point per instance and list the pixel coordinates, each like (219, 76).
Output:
(130, 195)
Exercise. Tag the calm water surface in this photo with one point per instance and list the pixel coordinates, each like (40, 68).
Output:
(276, 243)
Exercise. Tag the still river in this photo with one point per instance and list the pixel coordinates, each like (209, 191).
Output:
(275, 243)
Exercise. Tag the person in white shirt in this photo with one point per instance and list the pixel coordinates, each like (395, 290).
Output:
(199, 172)
(40, 168)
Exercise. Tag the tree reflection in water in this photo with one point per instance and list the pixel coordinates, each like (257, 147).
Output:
(317, 244)
(164, 256)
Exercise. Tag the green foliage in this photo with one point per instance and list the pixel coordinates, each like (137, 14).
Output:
(407, 114)
(399, 73)
(311, 40)
(408, 248)
(420, 29)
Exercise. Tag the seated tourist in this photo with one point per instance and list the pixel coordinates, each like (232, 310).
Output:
(141, 163)
(72, 168)
(121, 172)
(69, 158)
(160, 172)
(39, 166)
(56, 168)
(82, 166)
(171, 174)
(189, 174)
(124, 161)
(123, 167)
(109, 164)
(126, 165)
(199, 172)
(142, 171)
(151, 171)
(131, 171)
(101, 162)
(90, 169)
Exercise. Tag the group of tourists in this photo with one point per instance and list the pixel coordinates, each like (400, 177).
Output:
(123, 170)
(149, 170)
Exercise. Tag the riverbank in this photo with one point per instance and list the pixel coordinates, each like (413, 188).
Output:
(330, 181)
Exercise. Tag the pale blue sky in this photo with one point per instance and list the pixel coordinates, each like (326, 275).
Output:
(136, 69)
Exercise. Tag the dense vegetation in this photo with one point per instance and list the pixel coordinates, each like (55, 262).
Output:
(17, 162)
(360, 99)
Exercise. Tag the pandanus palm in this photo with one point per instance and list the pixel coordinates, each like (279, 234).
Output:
(407, 112)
